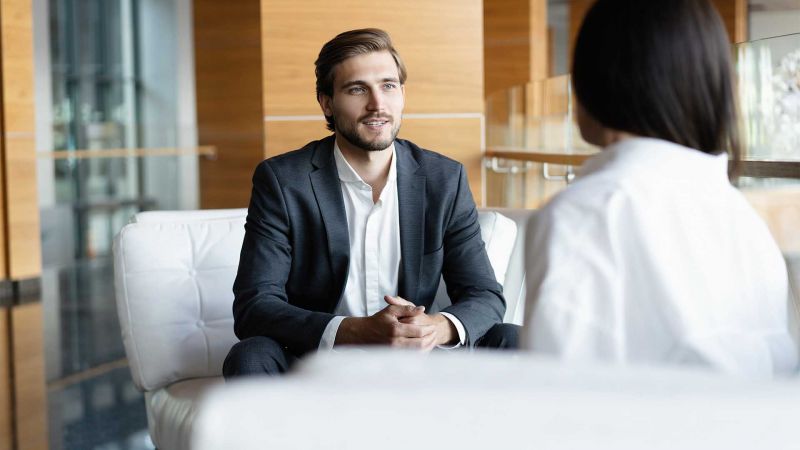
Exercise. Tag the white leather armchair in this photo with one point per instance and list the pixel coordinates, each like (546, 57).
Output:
(173, 277)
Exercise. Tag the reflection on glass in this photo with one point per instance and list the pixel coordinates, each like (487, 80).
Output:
(539, 117)
(769, 91)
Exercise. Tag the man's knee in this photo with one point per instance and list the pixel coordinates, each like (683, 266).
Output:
(500, 336)
(256, 355)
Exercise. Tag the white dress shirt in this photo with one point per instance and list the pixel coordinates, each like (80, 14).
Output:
(374, 231)
(652, 256)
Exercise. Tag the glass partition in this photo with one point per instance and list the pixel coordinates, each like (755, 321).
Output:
(533, 143)
(535, 122)
(769, 96)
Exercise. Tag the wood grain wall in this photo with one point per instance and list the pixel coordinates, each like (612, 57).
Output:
(515, 43)
(255, 80)
(23, 406)
(440, 42)
(228, 77)
(734, 15)
(21, 207)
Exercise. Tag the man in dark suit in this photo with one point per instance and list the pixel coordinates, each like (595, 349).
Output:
(347, 237)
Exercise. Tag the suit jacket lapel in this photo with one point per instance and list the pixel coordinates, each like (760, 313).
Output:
(328, 192)
(411, 199)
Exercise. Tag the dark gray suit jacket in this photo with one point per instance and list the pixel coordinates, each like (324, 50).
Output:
(295, 254)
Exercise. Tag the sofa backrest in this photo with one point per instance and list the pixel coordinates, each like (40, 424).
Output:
(174, 271)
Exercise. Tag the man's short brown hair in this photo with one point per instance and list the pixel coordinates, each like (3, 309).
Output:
(347, 45)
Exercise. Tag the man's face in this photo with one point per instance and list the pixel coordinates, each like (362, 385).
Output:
(367, 103)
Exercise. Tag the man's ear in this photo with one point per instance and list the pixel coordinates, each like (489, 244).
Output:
(325, 104)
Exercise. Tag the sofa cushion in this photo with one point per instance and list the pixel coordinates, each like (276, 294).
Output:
(498, 233)
(171, 411)
(173, 287)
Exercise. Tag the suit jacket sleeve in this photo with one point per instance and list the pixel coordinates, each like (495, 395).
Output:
(476, 295)
(261, 306)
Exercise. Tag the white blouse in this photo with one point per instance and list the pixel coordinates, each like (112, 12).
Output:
(651, 256)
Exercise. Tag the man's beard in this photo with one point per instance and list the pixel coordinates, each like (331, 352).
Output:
(351, 135)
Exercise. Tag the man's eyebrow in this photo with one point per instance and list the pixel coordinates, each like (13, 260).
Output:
(354, 83)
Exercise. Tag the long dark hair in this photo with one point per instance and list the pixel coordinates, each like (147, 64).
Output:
(659, 69)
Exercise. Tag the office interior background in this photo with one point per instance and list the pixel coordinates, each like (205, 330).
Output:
(111, 107)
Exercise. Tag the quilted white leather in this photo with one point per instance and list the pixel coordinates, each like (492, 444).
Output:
(498, 233)
(173, 286)
(172, 410)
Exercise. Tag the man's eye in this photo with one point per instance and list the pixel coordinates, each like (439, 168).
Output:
(389, 86)
(356, 90)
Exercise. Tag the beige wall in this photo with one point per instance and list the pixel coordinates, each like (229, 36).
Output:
(515, 43)
(20, 209)
(23, 416)
(227, 45)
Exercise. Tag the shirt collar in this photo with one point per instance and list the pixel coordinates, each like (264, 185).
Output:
(348, 175)
(659, 156)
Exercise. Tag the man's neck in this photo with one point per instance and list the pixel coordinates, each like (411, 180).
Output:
(372, 166)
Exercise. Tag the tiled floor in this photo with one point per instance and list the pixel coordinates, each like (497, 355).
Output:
(92, 402)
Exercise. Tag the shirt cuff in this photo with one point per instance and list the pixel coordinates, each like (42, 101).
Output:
(329, 335)
(462, 334)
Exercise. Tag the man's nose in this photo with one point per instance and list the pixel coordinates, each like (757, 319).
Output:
(376, 100)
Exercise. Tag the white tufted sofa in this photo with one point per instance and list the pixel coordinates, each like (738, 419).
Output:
(173, 277)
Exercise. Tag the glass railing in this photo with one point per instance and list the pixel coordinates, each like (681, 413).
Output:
(532, 143)
(533, 146)
(769, 96)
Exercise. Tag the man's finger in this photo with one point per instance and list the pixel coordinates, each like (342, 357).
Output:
(402, 330)
(399, 301)
(429, 342)
(407, 342)
(418, 319)
(404, 311)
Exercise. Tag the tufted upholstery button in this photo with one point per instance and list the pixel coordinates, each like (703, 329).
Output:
(200, 324)
(192, 273)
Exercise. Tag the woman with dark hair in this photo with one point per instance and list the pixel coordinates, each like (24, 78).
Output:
(651, 256)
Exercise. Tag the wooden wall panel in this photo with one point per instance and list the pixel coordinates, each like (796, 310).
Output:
(734, 15)
(23, 406)
(515, 43)
(3, 227)
(23, 251)
(227, 40)
(6, 386)
(577, 11)
(284, 136)
(440, 42)
(30, 396)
